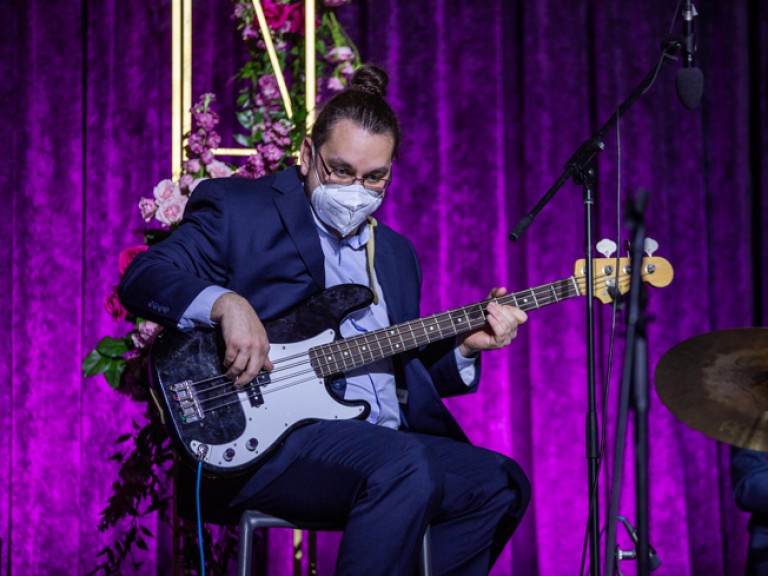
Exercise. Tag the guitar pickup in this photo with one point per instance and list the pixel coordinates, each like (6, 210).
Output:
(189, 404)
(254, 390)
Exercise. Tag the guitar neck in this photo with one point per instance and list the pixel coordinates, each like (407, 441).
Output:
(343, 355)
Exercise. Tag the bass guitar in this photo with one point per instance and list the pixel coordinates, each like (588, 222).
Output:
(230, 428)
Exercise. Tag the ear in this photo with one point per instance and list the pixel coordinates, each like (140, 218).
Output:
(305, 156)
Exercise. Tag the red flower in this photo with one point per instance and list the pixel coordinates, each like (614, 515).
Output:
(127, 256)
(113, 306)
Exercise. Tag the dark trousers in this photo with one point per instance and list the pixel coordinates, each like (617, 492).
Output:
(387, 486)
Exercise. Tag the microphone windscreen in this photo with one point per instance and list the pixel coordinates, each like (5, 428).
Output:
(690, 86)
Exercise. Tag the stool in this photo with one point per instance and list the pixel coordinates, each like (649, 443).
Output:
(253, 519)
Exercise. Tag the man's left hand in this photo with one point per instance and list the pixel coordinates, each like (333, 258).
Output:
(500, 329)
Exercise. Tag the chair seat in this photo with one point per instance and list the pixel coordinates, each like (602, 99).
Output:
(250, 520)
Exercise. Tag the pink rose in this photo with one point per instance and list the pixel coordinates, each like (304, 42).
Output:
(218, 169)
(171, 211)
(145, 334)
(340, 54)
(127, 255)
(277, 14)
(166, 190)
(113, 306)
(147, 207)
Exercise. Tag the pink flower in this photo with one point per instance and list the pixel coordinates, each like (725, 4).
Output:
(340, 54)
(277, 14)
(250, 33)
(171, 211)
(218, 169)
(145, 334)
(335, 85)
(113, 306)
(192, 165)
(207, 120)
(240, 9)
(127, 255)
(197, 141)
(253, 167)
(147, 207)
(165, 190)
(268, 86)
(271, 154)
(346, 69)
(185, 180)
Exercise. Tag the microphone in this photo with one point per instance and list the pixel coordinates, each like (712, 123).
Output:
(653, 558)
(689, 80)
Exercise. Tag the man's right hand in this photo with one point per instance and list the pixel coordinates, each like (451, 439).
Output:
(247, 345)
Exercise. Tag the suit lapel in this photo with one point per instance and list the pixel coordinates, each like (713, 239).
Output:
(296, 214)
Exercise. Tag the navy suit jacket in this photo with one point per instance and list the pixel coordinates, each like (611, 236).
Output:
(259, 239)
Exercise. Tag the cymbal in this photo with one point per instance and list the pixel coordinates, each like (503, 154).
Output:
(717, 383)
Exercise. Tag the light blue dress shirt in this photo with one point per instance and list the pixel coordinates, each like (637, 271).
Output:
(345, 263)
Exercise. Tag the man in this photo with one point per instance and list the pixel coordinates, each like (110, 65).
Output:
(249, 251)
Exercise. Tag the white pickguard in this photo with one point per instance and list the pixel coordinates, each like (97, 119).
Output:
(293, 395)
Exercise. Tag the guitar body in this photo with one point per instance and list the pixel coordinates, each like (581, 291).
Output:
(235, 427)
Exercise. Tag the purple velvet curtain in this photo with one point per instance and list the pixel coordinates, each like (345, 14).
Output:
(494, 97)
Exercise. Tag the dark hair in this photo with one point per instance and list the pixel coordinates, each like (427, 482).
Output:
(363, 103)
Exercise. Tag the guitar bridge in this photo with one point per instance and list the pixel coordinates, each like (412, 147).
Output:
(189, 404)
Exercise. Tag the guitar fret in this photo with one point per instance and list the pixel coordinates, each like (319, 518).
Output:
(343, 355)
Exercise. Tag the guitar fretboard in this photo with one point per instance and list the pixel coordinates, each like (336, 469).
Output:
(348, 354)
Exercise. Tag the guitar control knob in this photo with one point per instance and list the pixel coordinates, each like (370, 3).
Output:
(252, 444)
(229, 454)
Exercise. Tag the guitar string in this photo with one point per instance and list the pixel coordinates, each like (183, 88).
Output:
(441, 317)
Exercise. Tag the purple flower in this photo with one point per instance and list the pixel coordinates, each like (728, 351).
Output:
(253, 167)
(207, 120)
(335, 85)
(185, 180)
(213, 141)
(206, 157)
(147, 207)
(250, 33)
(197, 141)
(334, 3)
(192, 166)
(340, 54)
(268, 86)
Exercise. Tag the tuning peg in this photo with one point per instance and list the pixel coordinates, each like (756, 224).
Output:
(650, 246)
(606, 247)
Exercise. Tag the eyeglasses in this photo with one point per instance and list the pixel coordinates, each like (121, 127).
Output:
(342, 176)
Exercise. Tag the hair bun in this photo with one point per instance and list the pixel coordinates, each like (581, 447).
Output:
(370, 78)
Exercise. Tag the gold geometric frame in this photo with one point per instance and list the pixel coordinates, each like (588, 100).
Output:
(181, 124)
(181, 76)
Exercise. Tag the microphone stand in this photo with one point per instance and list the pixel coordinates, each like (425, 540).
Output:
(580, 168)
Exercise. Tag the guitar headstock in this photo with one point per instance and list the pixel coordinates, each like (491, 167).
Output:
(654, 270)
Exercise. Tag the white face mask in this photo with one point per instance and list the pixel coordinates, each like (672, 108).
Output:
(344, 207)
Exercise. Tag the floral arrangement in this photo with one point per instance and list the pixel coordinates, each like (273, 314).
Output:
(145, 456)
